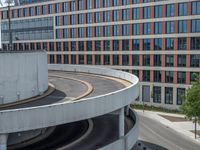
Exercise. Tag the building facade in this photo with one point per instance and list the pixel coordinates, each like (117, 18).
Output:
(157, 40)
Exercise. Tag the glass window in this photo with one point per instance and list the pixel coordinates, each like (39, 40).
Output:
(106, 3)
(106, 16)
(65, 20)
(135, 44)
(80, 18)
(57, 8)
(97, 59)
(125, 14)
(66, 59)
(81, 59)
(125, 2)
(89, 59)
(116, 30)
(182, 9)
(157, 76)
(157, 60)
(116, 45)
(170, 10)
(115, 59)
(73, 19)
(106, 44)
(65, 7)
(136, 29)
(146, 60)
(125, 45)
(182, 43)
(180, 95)
(146, 75)
(181, 77)
(115, 15)
(73, 32)
(80, 46)
(170, 27)
(195, 43)
(115, 2)
(81, 32)
(195, 25)
(89, 17)
(135, 60)
(125, 29)
(169, 60)
(89, 31)
(136, 1)
(106, 30)
(195, 60)
(80, 4)
(97, 45)
(146, 12)
(146, 28)
(136, 13)
(125, 60)
(106, 59)
(158, 11)
(146, 44)
(50, 8)
(73, 46)
(157, 94)
(169, 76)
(97, 3)
(73, 59)
(97, 31)
(181, 60)
(168, 95)
(65, 46)
(158, 27)
(182, 26)
(169, 44)
(195, 8)
(97, 17)
(158, 44)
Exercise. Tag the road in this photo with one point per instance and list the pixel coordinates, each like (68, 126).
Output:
(156, 136)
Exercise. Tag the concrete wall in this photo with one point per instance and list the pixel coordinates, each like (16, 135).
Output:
(22, 75)
(51, 115)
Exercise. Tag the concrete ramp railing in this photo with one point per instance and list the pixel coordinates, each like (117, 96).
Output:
(31, 118)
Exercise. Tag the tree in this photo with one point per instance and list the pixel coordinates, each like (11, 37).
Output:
(191, 103)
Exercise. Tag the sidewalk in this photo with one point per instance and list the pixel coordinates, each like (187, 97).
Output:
(176, 122)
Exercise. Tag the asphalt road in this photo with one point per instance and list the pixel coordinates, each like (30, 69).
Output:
(156, 136)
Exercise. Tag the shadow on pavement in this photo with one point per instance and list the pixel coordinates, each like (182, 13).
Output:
(143, 145)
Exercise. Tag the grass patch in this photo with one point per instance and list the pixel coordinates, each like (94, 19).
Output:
(153, 108)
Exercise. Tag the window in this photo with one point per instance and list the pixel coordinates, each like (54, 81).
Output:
(44, 9)
(157, 76)
(106, 30)
(195, 43)
(158, 44)
(181, 77)
(157, 60)
(73, 19)
(106, 44)
(135, 60)
(125, 29)
(52, 60)
(182, 26)
(73, 6)
(136, 29)
(80, 46)
(115, 15)
(180, 95)
(89, 4)
(115, 2)
(89, 59)
(106, 16)
(194, 60)
(97, 59)
(125, 45)
(182, 9)
(135, 72)
(58, 34)
(73, 59)
(80, 4)
(31, 11)
(195, 25)
(97, 4)
(136, 1)
(89, 31)
(125, 60)
(81, 59)
(65, 46)
(89, 17)
(169, 76)
(65, 7)
(169, 60)
(158, 27)
(98, 45)
(146, 28)
(106, 3)
(146, 75)
(97, 31)
(57, 8)
(58, 59)
(181, 60)
(115, 59)
(65, 20)
(73, 46)
(97, 17)
(50, 8)
(115, 30)
(169, 44)
(66, 60)
(135, 44)
(80, 18)
(182, 43)
(168, 95)
(195, 8)
(170, 27)
(146, 12)
(146, 44)
(106, 59)
(73, 32)
(81, 32)
(125, 2)
(136, 13)
(157, 94)
(125, 14)
(146, 60)
(116, 45)
(158, 11)
(89, 45)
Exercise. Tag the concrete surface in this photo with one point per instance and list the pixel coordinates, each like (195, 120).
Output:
(22, 75)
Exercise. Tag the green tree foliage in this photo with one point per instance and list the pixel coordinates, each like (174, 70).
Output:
(191, 104)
